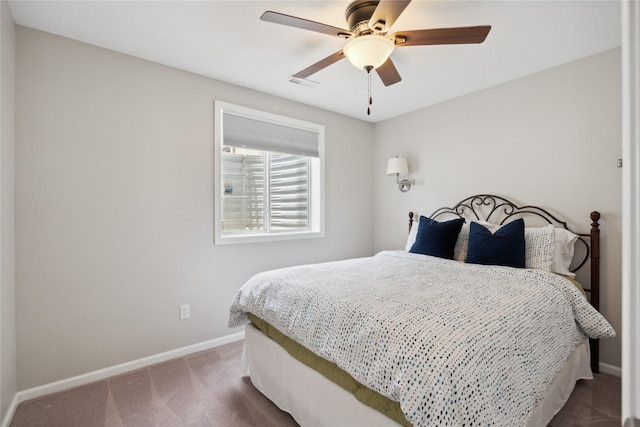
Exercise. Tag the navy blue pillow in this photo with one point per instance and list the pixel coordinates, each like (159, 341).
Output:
(504, 247)
(437, 238)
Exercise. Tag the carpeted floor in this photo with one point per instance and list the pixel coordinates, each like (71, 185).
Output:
(208, 389)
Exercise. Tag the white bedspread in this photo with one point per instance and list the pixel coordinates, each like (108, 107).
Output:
(454, 343)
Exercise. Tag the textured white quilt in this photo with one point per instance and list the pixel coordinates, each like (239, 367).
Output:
(456, 344)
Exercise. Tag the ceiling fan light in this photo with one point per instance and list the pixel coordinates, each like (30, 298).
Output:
(371, 50)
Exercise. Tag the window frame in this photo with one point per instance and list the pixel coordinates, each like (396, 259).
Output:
(316, 177)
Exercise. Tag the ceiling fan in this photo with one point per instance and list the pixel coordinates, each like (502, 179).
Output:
(369, 46)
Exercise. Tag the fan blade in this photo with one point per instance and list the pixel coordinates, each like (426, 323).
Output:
(387, 12)
(460, 35)
(388, 73)
(322, 64)
(292, 21)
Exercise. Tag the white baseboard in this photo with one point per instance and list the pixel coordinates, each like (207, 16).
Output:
(605, 368)
(10, 411)
(122, 368)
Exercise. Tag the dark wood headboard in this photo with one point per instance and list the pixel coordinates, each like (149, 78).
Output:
(498, 210)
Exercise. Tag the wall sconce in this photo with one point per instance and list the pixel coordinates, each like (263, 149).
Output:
(398, 166)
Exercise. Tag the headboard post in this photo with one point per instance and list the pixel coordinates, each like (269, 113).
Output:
(595, 260)
(595, 284)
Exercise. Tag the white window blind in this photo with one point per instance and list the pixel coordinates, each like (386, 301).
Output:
(261, 135)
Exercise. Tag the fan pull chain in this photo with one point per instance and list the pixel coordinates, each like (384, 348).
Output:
(369, 68)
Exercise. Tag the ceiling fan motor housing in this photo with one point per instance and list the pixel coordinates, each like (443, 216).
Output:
(359, 12)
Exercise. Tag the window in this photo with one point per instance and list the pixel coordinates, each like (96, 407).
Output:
(269, 183)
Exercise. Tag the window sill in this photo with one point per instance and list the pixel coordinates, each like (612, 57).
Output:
(271, 237)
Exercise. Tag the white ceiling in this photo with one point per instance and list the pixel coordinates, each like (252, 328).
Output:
(226, 40)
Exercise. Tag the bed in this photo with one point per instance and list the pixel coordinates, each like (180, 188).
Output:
(477, 322)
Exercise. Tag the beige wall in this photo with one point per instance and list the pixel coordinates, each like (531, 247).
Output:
(550, 139)
(114, 176)
(8, 384)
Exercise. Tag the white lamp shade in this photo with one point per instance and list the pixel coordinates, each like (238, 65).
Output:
(397, 165)
(370, 50)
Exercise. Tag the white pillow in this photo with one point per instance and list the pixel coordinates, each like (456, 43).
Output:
(563, 253)
(462, 244)
(413, 233)
(540, 243)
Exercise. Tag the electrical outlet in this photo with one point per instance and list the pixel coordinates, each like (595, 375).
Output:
(185, 311)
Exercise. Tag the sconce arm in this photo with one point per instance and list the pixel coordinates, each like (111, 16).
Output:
(404, 184)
